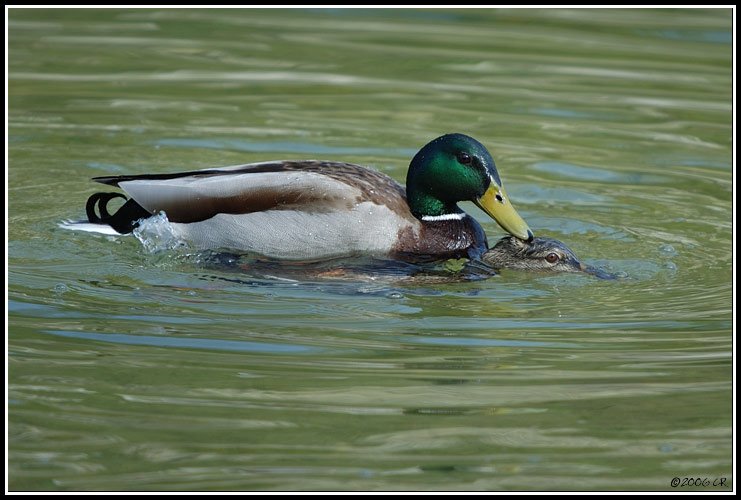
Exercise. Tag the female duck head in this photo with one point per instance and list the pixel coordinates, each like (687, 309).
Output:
(540, 254)
(454, 168)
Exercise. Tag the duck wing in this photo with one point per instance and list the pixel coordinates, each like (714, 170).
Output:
(307, 186)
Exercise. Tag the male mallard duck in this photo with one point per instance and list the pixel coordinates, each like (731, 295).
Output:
(311, 210)
(539, 254)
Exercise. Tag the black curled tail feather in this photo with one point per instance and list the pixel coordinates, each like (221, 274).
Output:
(124, 220)
(101, 200)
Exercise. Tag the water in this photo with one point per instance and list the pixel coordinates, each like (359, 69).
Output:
(132, 370)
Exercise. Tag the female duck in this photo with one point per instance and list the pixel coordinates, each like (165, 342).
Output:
(311, 210)
(541, 255)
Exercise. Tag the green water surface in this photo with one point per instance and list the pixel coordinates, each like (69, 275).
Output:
(612, 130)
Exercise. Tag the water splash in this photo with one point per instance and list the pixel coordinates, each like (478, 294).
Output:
(156, 234)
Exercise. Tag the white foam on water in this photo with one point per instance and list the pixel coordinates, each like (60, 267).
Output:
(89, 227)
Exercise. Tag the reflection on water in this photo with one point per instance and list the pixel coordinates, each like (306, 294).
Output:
(134, 370)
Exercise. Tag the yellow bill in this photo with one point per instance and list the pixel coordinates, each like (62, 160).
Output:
(496, 203)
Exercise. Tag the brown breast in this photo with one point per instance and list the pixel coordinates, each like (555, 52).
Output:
(437, 240)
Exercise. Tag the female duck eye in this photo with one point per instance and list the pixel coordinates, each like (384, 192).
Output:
(552, 258)
(464, 158)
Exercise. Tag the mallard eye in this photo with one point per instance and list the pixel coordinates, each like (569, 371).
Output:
(463, 158)
(552, 258)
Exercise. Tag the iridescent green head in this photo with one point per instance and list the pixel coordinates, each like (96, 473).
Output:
(455, 168)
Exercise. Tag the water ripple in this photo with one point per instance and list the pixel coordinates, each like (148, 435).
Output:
(189, 343)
